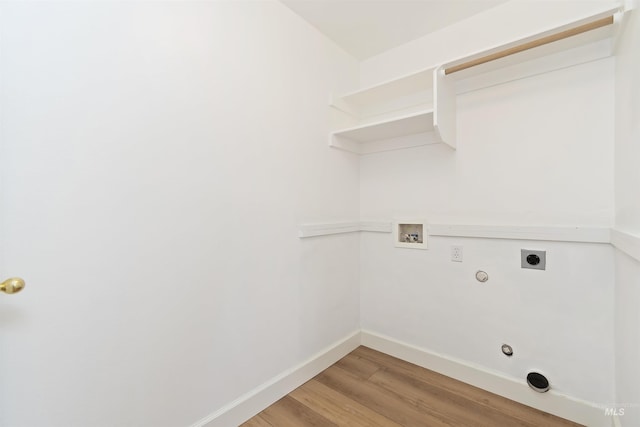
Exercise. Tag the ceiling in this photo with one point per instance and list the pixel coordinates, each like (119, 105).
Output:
(366, 28)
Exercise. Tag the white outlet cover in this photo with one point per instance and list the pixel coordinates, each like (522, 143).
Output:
(456, 253)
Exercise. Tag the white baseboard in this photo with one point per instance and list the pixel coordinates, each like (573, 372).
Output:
(251, 403)
(616, 421)
(552, 402)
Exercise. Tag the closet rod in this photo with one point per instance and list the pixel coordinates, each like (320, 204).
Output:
(534, 43)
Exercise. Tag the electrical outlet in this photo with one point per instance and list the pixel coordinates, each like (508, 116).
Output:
(456, 253)
(536, 260)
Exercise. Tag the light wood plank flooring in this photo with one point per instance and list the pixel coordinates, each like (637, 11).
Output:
(368, 388)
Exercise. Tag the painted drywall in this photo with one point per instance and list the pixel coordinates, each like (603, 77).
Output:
(627, 340)
(627, 202)
(157, 159)
(537, 151)
(628, 127)
(558, 321)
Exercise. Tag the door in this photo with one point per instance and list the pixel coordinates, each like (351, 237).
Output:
(102, 210)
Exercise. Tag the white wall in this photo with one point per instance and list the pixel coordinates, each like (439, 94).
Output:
(558, 321)
(157, 159)
(536, 151)
(628, 127)
(531, 152)
(627, 324)
(627, 202)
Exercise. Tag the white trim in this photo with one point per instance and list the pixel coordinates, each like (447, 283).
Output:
(324, 229)
(251, 403)
(552, 402)
(626, 242)
(312, 230)
(562, 234)
(559, 234)
(376, 226)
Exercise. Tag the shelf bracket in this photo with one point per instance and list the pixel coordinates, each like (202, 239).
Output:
(444, 107)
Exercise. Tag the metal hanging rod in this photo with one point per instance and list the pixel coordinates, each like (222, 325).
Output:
(534, 43)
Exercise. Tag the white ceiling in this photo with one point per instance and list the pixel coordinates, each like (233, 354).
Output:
(365, 28)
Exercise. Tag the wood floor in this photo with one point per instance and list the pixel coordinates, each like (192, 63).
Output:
(368, 388)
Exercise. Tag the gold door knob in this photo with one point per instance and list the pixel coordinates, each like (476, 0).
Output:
(12, 285)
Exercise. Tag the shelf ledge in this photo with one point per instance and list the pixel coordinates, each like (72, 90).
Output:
(626, 242)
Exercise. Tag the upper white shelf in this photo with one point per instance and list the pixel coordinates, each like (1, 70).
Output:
(580, 40)
(385, 92)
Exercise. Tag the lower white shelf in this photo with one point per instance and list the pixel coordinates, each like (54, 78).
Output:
(404, 131)
(391, 128)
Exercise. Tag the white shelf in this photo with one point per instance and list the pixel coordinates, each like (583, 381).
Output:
(591, 37)
(408, 106)
(420, 108)
(385, 92)
(391, 128)
(404, 131)
(591, 45)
